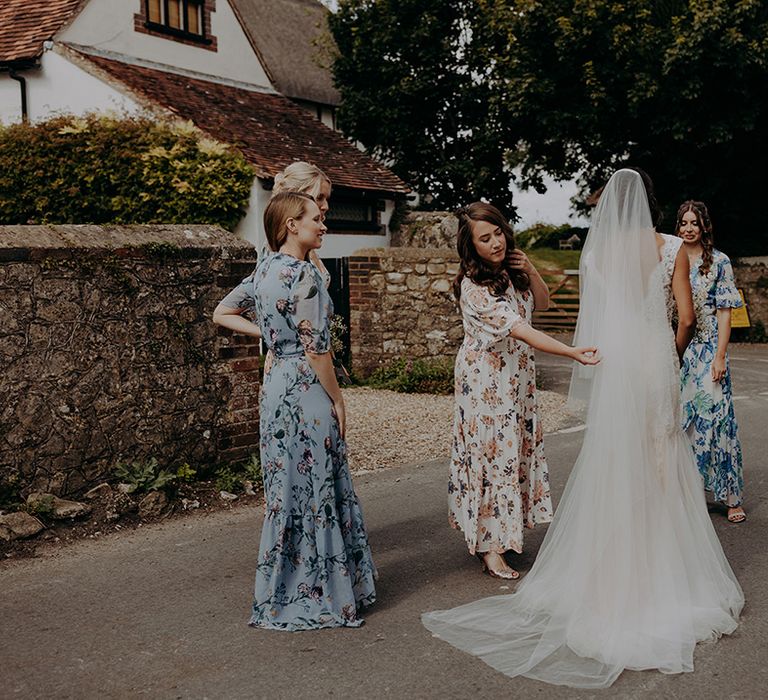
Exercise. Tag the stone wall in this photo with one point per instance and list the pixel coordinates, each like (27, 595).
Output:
(109, 353)
(426, 229)
(402, 305)
(752, 276)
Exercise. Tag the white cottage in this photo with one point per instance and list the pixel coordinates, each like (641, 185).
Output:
(245, 72)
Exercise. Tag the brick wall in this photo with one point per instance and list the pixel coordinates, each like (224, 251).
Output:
(109, 354)
(402, 305)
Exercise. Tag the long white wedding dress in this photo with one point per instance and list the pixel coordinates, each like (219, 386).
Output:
(631, 574)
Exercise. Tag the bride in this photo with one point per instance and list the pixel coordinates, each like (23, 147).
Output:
(630, 574)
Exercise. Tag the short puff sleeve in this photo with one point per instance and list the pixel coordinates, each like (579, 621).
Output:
(311, 310)
(487, 317)
(242, 297)
(726, 294)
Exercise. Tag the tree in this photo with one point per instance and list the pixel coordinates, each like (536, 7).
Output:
(137, 170)
(674, 86)
(415, 96)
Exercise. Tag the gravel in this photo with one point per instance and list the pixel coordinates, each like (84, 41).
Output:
(388, 429)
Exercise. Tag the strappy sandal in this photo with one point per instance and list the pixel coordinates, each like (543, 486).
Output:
(737, 516)
(510, 575)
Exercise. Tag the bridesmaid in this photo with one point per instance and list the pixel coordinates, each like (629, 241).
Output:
(708, 414)
(498, 478)
(301, 176)
(315, 568)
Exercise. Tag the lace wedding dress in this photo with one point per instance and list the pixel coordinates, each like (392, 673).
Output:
(630, 574)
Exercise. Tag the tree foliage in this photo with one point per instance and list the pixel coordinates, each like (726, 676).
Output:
(673, 86)
(98, 169)
(569, 88)
(407, 73)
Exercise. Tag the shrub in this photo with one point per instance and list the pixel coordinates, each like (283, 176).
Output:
(414, 376)
(232, 478)
(144, 476)
(103, 169)
(228, 480)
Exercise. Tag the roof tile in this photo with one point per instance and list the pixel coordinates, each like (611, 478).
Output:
(26, 24)
(270, 130)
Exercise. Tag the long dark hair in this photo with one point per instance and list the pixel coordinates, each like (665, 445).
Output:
(473, 266)
(657, 215)
(705, 226)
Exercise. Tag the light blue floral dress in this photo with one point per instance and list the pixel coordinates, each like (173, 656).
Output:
(315, 568)
(708, 415)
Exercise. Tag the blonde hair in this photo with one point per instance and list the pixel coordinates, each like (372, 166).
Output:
(283, 206)
(300, 177)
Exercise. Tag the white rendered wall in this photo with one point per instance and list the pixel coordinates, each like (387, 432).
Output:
(340, 245)
(108, 25)
(251, 226)
(59, 86)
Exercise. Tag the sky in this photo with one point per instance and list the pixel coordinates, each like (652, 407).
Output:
(552, 207)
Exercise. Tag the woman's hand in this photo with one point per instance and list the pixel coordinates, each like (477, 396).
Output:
(586, 356)
(718, 368)
(341, 414)
(519, 261)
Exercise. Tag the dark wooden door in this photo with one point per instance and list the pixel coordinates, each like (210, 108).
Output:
(339, 291)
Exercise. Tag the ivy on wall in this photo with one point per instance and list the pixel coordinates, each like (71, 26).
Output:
(101, 169)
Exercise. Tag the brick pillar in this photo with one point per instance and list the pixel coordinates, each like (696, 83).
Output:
(238, 365)
(364, 314)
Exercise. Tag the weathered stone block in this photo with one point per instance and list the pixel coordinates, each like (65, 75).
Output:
(417, 282)
(14, 526)
(441, 285)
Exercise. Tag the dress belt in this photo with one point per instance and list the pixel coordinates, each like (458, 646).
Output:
(282, 355)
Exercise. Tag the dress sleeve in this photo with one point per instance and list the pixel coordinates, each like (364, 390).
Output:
(311, 312)
(242, 297)
(494, 317)
(726, 294)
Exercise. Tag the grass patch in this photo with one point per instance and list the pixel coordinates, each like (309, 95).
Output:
(550, 259)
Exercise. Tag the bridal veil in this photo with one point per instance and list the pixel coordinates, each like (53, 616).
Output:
(631, 574)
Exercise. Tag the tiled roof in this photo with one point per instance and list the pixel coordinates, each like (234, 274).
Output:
(293, 41)
(26, 24)
(270, 129)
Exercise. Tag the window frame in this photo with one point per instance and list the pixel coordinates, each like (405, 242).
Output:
(184, 33)
(371, 224)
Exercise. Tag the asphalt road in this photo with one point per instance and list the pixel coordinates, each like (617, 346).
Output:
(161, 612)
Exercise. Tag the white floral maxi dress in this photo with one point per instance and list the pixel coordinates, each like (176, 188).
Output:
(499, 481)
(315, 568)
(708, 415)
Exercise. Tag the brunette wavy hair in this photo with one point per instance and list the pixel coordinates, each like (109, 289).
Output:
(705, 226)
(497, 279)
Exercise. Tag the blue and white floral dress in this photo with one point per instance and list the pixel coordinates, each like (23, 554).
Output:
(315, 568)
(708, 415)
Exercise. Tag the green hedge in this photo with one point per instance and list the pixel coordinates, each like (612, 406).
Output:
(101, 169)
(414, 376)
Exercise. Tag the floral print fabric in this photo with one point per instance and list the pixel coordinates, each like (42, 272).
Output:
(499, 481)
(708, 414)
(315, 568)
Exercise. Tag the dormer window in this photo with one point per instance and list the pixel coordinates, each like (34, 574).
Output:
(188, 21)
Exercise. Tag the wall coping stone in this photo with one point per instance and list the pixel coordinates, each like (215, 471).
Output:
(754, 260)
(19, 243)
